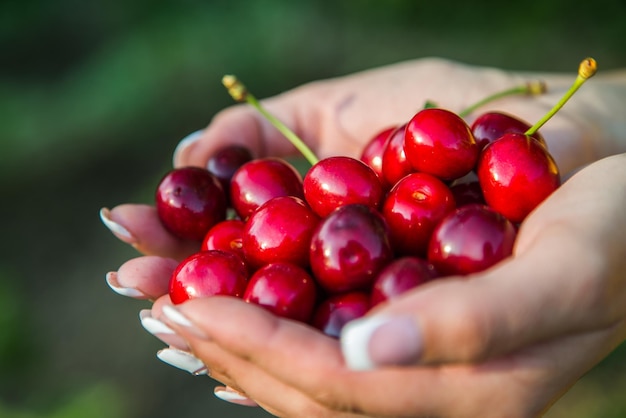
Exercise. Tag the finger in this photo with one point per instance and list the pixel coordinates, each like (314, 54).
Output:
(139, 226)
(145, 277)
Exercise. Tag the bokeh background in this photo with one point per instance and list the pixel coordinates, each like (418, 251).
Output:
(95, 95)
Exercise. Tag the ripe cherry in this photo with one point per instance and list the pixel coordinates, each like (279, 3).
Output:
(471, 239)
(349, 248)
(279, 230)
(225, 161)
(225, 236)
(492, 125)
(208, 273)
(467, 193)
(399, 276)
(284, 289)
(412, 209)
(439, 142)
(372, 153)
(338, 181)
(337, 310)
(189, 201)
(516, 173)
(395, 163)
(260, 180)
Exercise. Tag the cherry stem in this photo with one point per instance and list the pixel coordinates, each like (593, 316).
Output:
(240, 93)
(532, 88)
(586, 70)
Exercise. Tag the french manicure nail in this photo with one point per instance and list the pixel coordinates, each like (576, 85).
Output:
(161, 330)
(182, 360)
(177, 317)
(229, 395)
(111, 279)
(185, 143)
(118, 230)
(376, 341)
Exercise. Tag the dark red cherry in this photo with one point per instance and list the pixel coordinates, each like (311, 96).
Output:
(337, 310)
(260, 180)
(492, 125)
(226, 161)
(338, 181)
(516, 173)
(284, 289)
(225, 236)
(395, 164)
(439, 142)
(189, 201)
(372, 153)
(208, 273)
(349, 248)
(471, 239)
(467, 193)
(280, 230)
(412, 209)
(400, 276)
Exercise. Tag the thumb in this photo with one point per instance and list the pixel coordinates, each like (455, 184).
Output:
(245, 126)
(532, 297)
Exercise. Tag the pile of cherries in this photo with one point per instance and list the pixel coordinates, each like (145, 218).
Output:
(431, 198)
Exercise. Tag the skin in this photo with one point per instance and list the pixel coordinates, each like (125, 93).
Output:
(506, 342)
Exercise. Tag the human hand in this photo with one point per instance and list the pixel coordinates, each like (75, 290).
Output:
(505, 342)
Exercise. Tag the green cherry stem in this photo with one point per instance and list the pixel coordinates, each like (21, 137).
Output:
(532, 88)
(586, 70)
(240, 93)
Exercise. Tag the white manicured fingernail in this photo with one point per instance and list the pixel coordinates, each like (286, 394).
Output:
(178, 318)
(229, 395)
(152, 325)
(355, 338)
(118, 230)
(111, 279)
(185, 143)
(182, 360)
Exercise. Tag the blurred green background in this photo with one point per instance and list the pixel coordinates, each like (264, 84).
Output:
(95, 95)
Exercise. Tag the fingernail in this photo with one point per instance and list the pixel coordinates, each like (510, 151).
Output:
(368, 343)
(230, 395)
(175, 316)
(117, 229)
(111, 279)
(160, 330)
(182, 360)
(184, 144)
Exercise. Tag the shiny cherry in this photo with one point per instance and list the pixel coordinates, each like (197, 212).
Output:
(395, 164)
(467, 193)
(349, 248)
(189, 201)
(225, 161)
(412, 209)
(516, 173)
(439, 142)
(399, 276)
(208, 273)
(338, 181)
(492, 125)
(284, 289)
(225, 236)
(471, 239)
(279, 230)
(372, 153)
(334, 312)
(260, 180)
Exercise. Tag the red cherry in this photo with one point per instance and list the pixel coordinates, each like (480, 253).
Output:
(516, 173)
(284, 289)
(280, 230)
(492, 125)
(349, 248)
(467, 193)
(337, 310)
(471, 239)
(189, 201)
(372, 153)
(226, 161)
(225, 236)
(338, 181)
(440, 143)
(400, 276)
(260, 180)
(395, 164)
(412, 209)
(208, 273)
